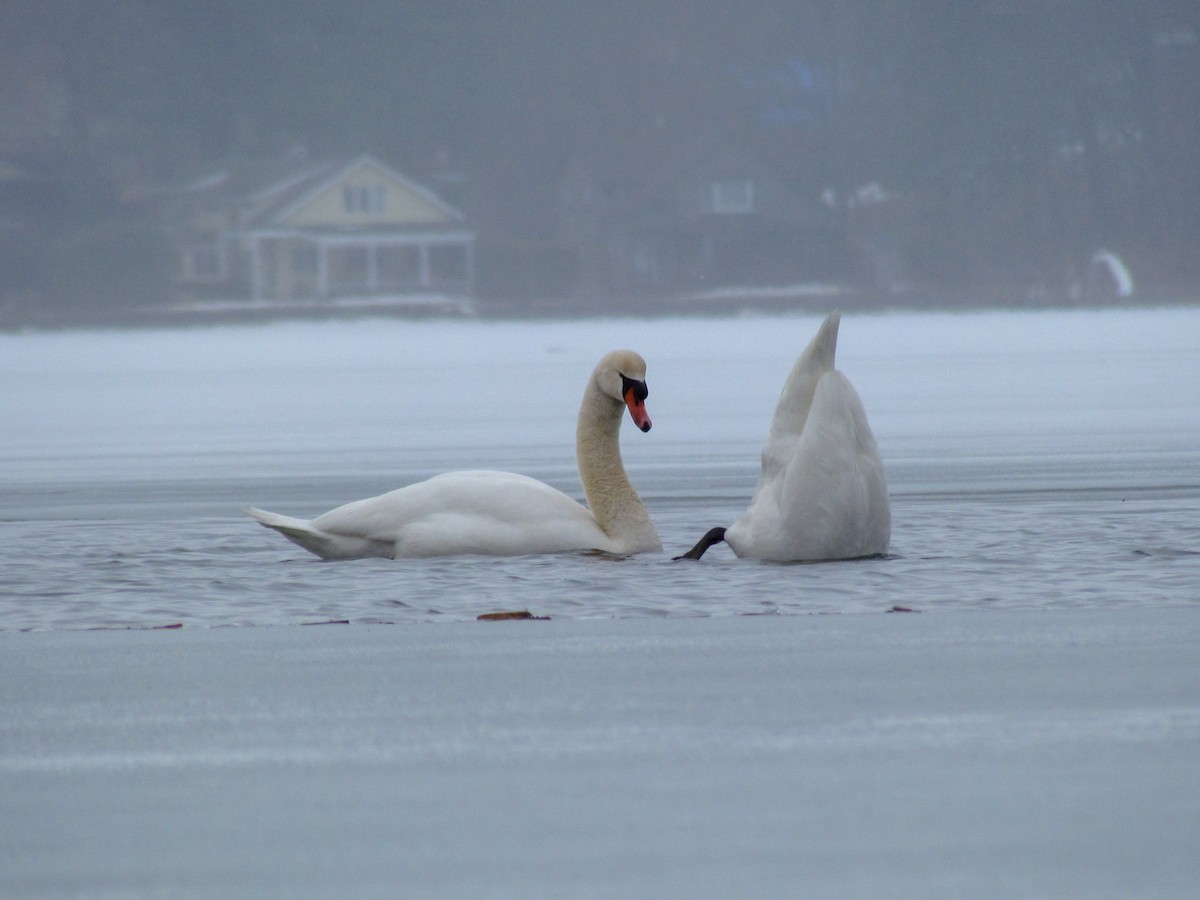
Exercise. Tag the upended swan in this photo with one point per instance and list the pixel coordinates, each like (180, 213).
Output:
(821, 494)
(502, 513)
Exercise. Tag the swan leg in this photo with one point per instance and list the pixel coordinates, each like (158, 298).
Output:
(712, 536)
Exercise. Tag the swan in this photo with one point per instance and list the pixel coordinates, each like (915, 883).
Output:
(822, 493)
(502, 513)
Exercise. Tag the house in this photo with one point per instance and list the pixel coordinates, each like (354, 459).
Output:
(296, 232)
(692, 218)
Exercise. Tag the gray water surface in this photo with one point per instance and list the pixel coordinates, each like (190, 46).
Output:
(1035, 460)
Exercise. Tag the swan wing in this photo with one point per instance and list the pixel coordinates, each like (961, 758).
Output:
(473, 512)
(834, 494)
(795, 400)
(824, 495)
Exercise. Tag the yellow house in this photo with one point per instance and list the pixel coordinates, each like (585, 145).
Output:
(307, 233)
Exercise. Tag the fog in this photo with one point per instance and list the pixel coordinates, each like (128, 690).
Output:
(625, 156)
(568, 177)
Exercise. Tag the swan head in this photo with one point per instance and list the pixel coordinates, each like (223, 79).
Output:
(621, 375)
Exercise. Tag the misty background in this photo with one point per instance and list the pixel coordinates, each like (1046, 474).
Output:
(922, 152)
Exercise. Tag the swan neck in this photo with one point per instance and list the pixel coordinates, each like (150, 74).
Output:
(614, 503)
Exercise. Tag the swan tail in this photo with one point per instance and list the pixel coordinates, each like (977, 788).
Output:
(823, 347)
(300, 531)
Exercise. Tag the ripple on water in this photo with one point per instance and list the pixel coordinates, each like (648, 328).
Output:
(998, 552)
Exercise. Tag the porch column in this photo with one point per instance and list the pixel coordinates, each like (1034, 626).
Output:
(322, 268)
(423, 255)
(255, 270)
(469, 254)
(372, 268)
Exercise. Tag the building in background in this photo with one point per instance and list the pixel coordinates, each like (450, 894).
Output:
(297, 232)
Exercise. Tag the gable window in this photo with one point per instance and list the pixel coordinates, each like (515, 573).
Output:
(364, 198)
(733, 196)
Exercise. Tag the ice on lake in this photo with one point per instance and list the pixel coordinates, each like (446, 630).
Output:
(1034, 459)
(1012, 754)
(675, 729)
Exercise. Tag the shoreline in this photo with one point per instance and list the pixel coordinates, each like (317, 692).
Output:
(734, 302)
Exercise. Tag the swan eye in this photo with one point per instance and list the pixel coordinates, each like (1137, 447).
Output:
(640, 391)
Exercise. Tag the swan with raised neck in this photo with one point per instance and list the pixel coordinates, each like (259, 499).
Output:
(618, 383)
(502, 513)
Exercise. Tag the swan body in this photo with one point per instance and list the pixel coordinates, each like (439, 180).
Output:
(502, 513)
(821, 493)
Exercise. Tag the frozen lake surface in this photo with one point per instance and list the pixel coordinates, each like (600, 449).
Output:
(1035, 460)
(985, 754)
(675, 729)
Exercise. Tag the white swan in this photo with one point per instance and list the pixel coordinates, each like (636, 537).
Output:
(822, 492)
(500, 513)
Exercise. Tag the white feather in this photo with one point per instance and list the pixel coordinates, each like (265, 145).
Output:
(500, 513)
(822, 493)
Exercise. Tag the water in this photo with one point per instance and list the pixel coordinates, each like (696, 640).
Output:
(1036, 460)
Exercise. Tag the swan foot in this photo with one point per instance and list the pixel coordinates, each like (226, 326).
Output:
(712, 536)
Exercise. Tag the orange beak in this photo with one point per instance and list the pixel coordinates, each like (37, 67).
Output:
(637, 410)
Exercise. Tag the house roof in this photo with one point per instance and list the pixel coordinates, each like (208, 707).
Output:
(293, 196)
(272, 192)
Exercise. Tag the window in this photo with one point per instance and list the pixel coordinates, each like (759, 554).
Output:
(369, 198)
(733, 196)
(348, 269)
(304, 259)
(399, 266)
